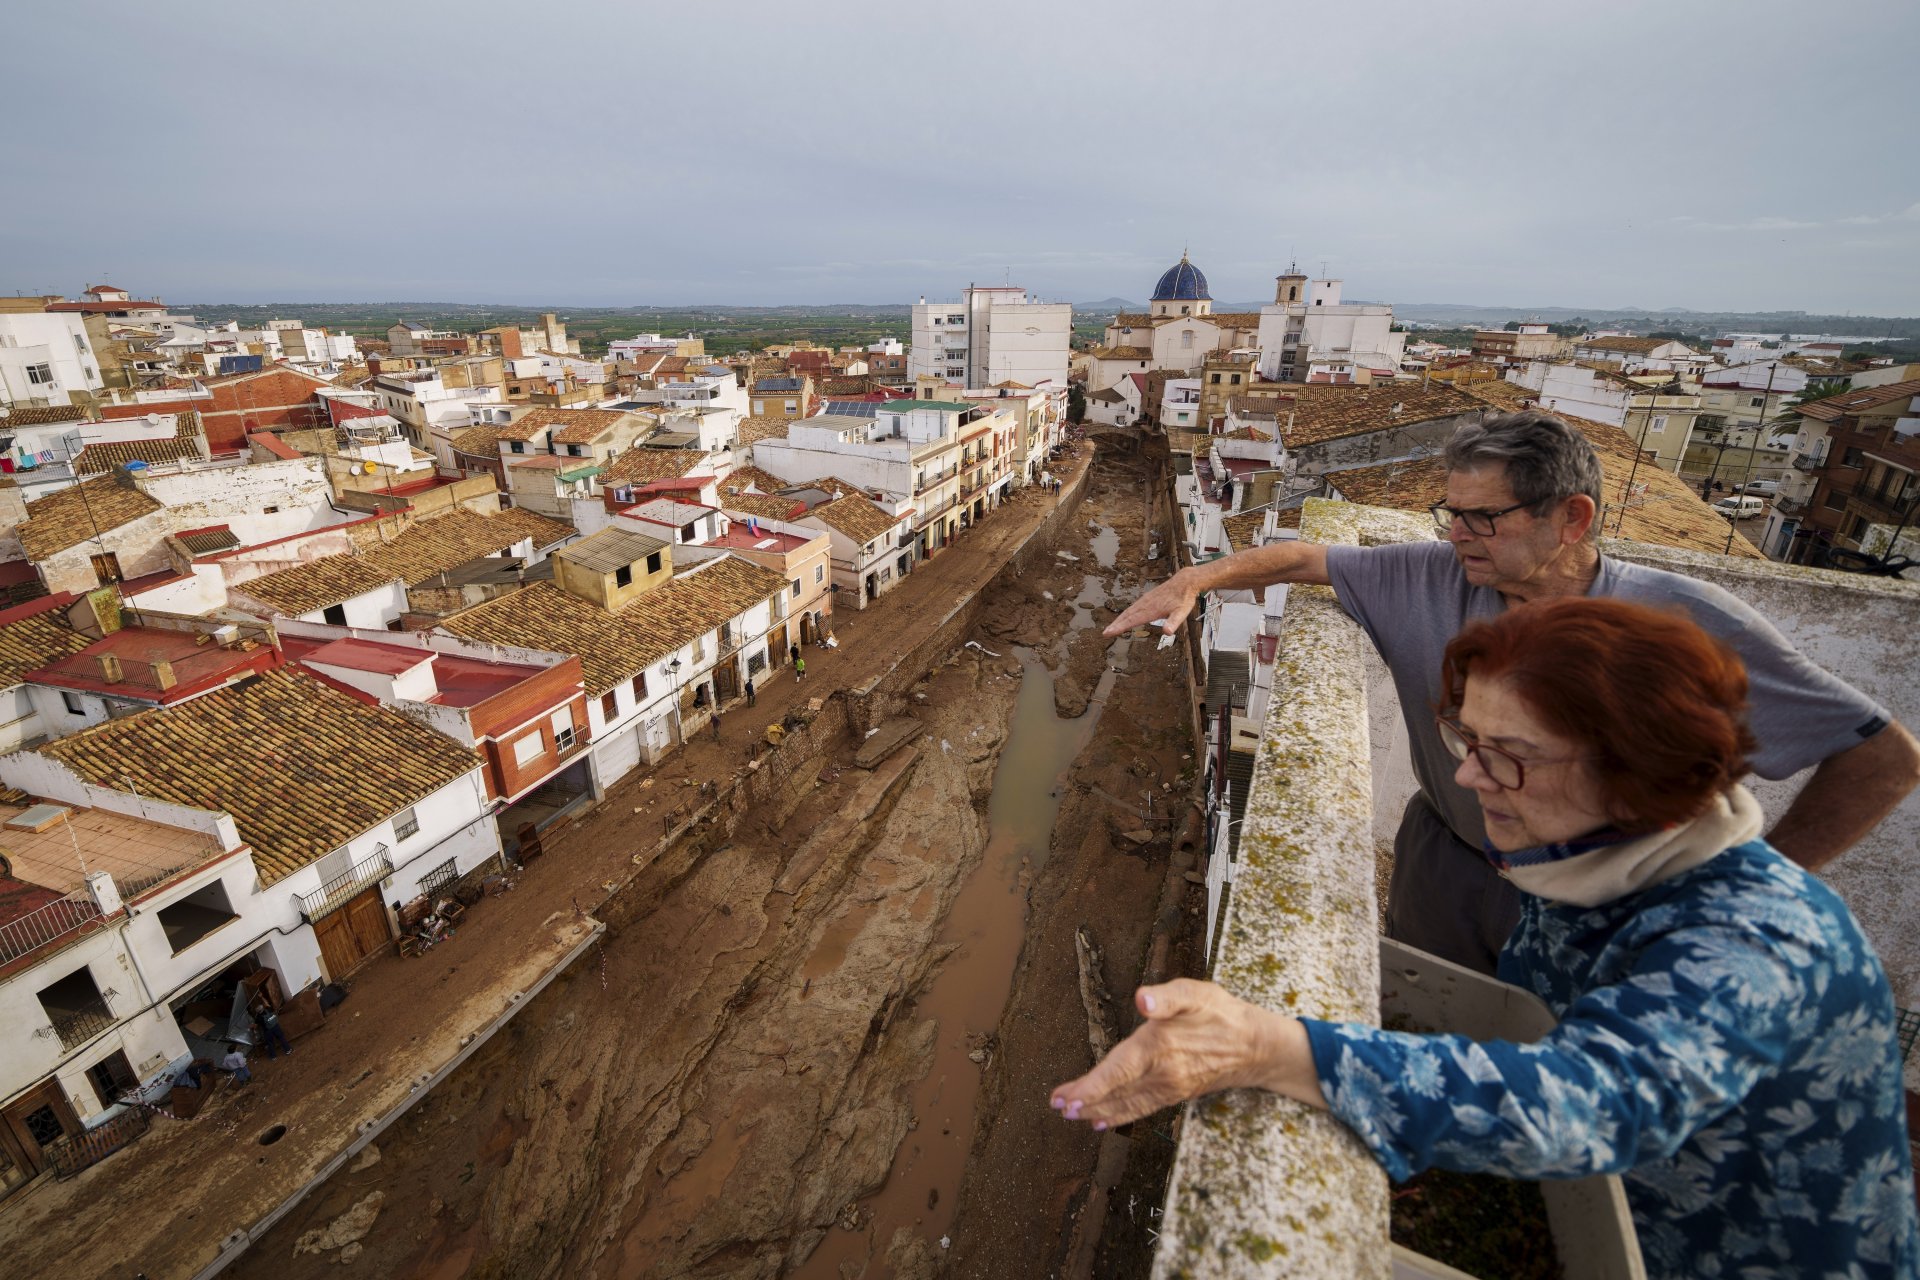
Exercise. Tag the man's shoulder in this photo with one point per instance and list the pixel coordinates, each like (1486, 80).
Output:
(1707, 602)
(1428, 557)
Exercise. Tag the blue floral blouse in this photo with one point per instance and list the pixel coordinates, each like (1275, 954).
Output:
(1726, 1044)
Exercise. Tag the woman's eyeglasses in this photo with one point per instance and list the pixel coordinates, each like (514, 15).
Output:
(1507, 770)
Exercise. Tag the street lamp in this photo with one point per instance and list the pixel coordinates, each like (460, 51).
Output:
(673, 673)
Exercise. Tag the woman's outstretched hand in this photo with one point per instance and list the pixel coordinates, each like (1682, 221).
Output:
(1196, 1040)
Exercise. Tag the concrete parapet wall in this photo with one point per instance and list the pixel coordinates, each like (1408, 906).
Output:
(1263, 1186)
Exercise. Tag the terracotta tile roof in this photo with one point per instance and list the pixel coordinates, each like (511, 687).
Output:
(416, 554)
(28, 643)
(755, 429)
(640, 465)
(1833, 408)
(1319, 412)
(1631, 346)
(1247, 433)
(43, 415)
(202, 542)
(856, 516)
(1240, 530)
(479, 441)
(316, 584)
(1121, 353)
(1133, 320)
(752, 477)
(1179, 441)
(1254, 406)
(614, 646)
(1228, 319)
(535, 421)
(1287, 517)
(765, 505)
(584, 426)
(185, 443)
(70, 516)
(303, 768)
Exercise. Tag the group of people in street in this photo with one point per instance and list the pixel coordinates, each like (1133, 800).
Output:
(1580, 728)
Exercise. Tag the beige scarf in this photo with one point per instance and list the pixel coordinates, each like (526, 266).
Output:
(1615, 870)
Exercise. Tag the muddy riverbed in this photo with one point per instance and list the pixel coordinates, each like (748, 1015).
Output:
(819, 1045)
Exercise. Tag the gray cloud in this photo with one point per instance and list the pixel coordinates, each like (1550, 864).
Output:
(598, 153)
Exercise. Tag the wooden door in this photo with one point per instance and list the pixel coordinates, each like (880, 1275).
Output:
(39, 1118)
(353, 933)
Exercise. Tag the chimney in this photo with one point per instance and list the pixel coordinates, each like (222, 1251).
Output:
(109, 668)
(163, 675)
(105, 894)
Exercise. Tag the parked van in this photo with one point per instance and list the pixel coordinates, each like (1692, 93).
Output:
(1759, 488)
(1741, 508)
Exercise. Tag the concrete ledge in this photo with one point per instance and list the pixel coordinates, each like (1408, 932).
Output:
(1263, 1186)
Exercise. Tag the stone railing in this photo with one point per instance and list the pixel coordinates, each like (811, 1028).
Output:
(1262, 1186)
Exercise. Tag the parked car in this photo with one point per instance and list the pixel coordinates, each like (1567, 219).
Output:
(1741, 508)
(1759, 488)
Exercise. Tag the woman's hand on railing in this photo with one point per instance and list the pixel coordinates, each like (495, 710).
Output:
(1196, 1040)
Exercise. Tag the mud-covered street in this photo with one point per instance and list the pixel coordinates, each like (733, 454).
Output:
(819, 1043)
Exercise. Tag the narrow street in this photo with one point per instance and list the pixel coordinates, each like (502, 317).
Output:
(796, 1054)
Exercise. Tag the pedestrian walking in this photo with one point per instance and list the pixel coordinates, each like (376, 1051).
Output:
(799, 669)
(751, 696)
(715, 722)
(793, 651)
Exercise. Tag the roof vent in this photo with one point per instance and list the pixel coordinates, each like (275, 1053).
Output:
(39, 817)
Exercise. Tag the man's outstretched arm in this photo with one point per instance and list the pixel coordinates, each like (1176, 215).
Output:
(1171, 601)
(1847, 796)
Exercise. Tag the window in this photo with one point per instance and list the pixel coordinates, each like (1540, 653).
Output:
(623, 576)
(1754, 402)
(40, 374)
(563, 735)
(74, 706)
(270, 511)
(195, 916)
(796, 588)
(1835, 500)
(640, 687)
(609, 706)
(759, 407)
(518, 446)
(1216, 379)
(527, 748)
(1186, 338)
(793, 406)
(653, 562)
(1859, 529)
(335, 614)
(1853, 458)
(819, 573)
(406, 825)
(112, 1078)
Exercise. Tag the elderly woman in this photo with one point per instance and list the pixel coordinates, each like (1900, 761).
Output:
(1726, 1037)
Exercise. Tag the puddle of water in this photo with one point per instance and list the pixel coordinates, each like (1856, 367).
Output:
(832, 947)
(988, 920)
(1106, 546)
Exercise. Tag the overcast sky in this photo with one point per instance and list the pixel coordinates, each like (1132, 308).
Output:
(1756, 155)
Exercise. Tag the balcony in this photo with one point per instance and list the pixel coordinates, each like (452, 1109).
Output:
(1263, 1186)
(45, 925)
(340, 890)
(1894, 505)
(1809, 461)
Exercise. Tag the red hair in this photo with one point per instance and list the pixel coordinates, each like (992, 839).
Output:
(1659, 703)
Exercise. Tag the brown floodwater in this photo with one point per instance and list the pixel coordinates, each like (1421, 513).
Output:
(988, 921)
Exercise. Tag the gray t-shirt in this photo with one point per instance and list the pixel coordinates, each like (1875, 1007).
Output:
(1412, 598)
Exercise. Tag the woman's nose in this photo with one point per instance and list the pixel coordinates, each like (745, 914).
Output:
(1471, 776)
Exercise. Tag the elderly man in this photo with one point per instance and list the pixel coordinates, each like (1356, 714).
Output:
(1521, 523)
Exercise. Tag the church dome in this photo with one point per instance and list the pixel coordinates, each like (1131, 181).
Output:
(1182, 282)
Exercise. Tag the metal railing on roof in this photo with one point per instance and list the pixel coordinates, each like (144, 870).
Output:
(45, 924)
(338, 891)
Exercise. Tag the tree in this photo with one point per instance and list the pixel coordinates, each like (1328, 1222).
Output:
(1076, 403)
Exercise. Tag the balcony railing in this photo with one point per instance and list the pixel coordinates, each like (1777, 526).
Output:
(1895, 506)
(1809, 461)
(337, 892)
(77, 1026)
(45, 924)
(77, 1151)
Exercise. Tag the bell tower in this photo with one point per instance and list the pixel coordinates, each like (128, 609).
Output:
(1291, 288)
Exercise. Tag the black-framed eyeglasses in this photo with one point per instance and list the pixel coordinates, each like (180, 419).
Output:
(1508, 771)
(1478, 521)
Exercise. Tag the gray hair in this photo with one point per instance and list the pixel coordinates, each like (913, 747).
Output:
(1545, 459)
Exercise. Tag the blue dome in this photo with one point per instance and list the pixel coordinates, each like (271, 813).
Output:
(1182, 282)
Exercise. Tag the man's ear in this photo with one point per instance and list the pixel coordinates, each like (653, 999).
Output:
(1581, 513)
